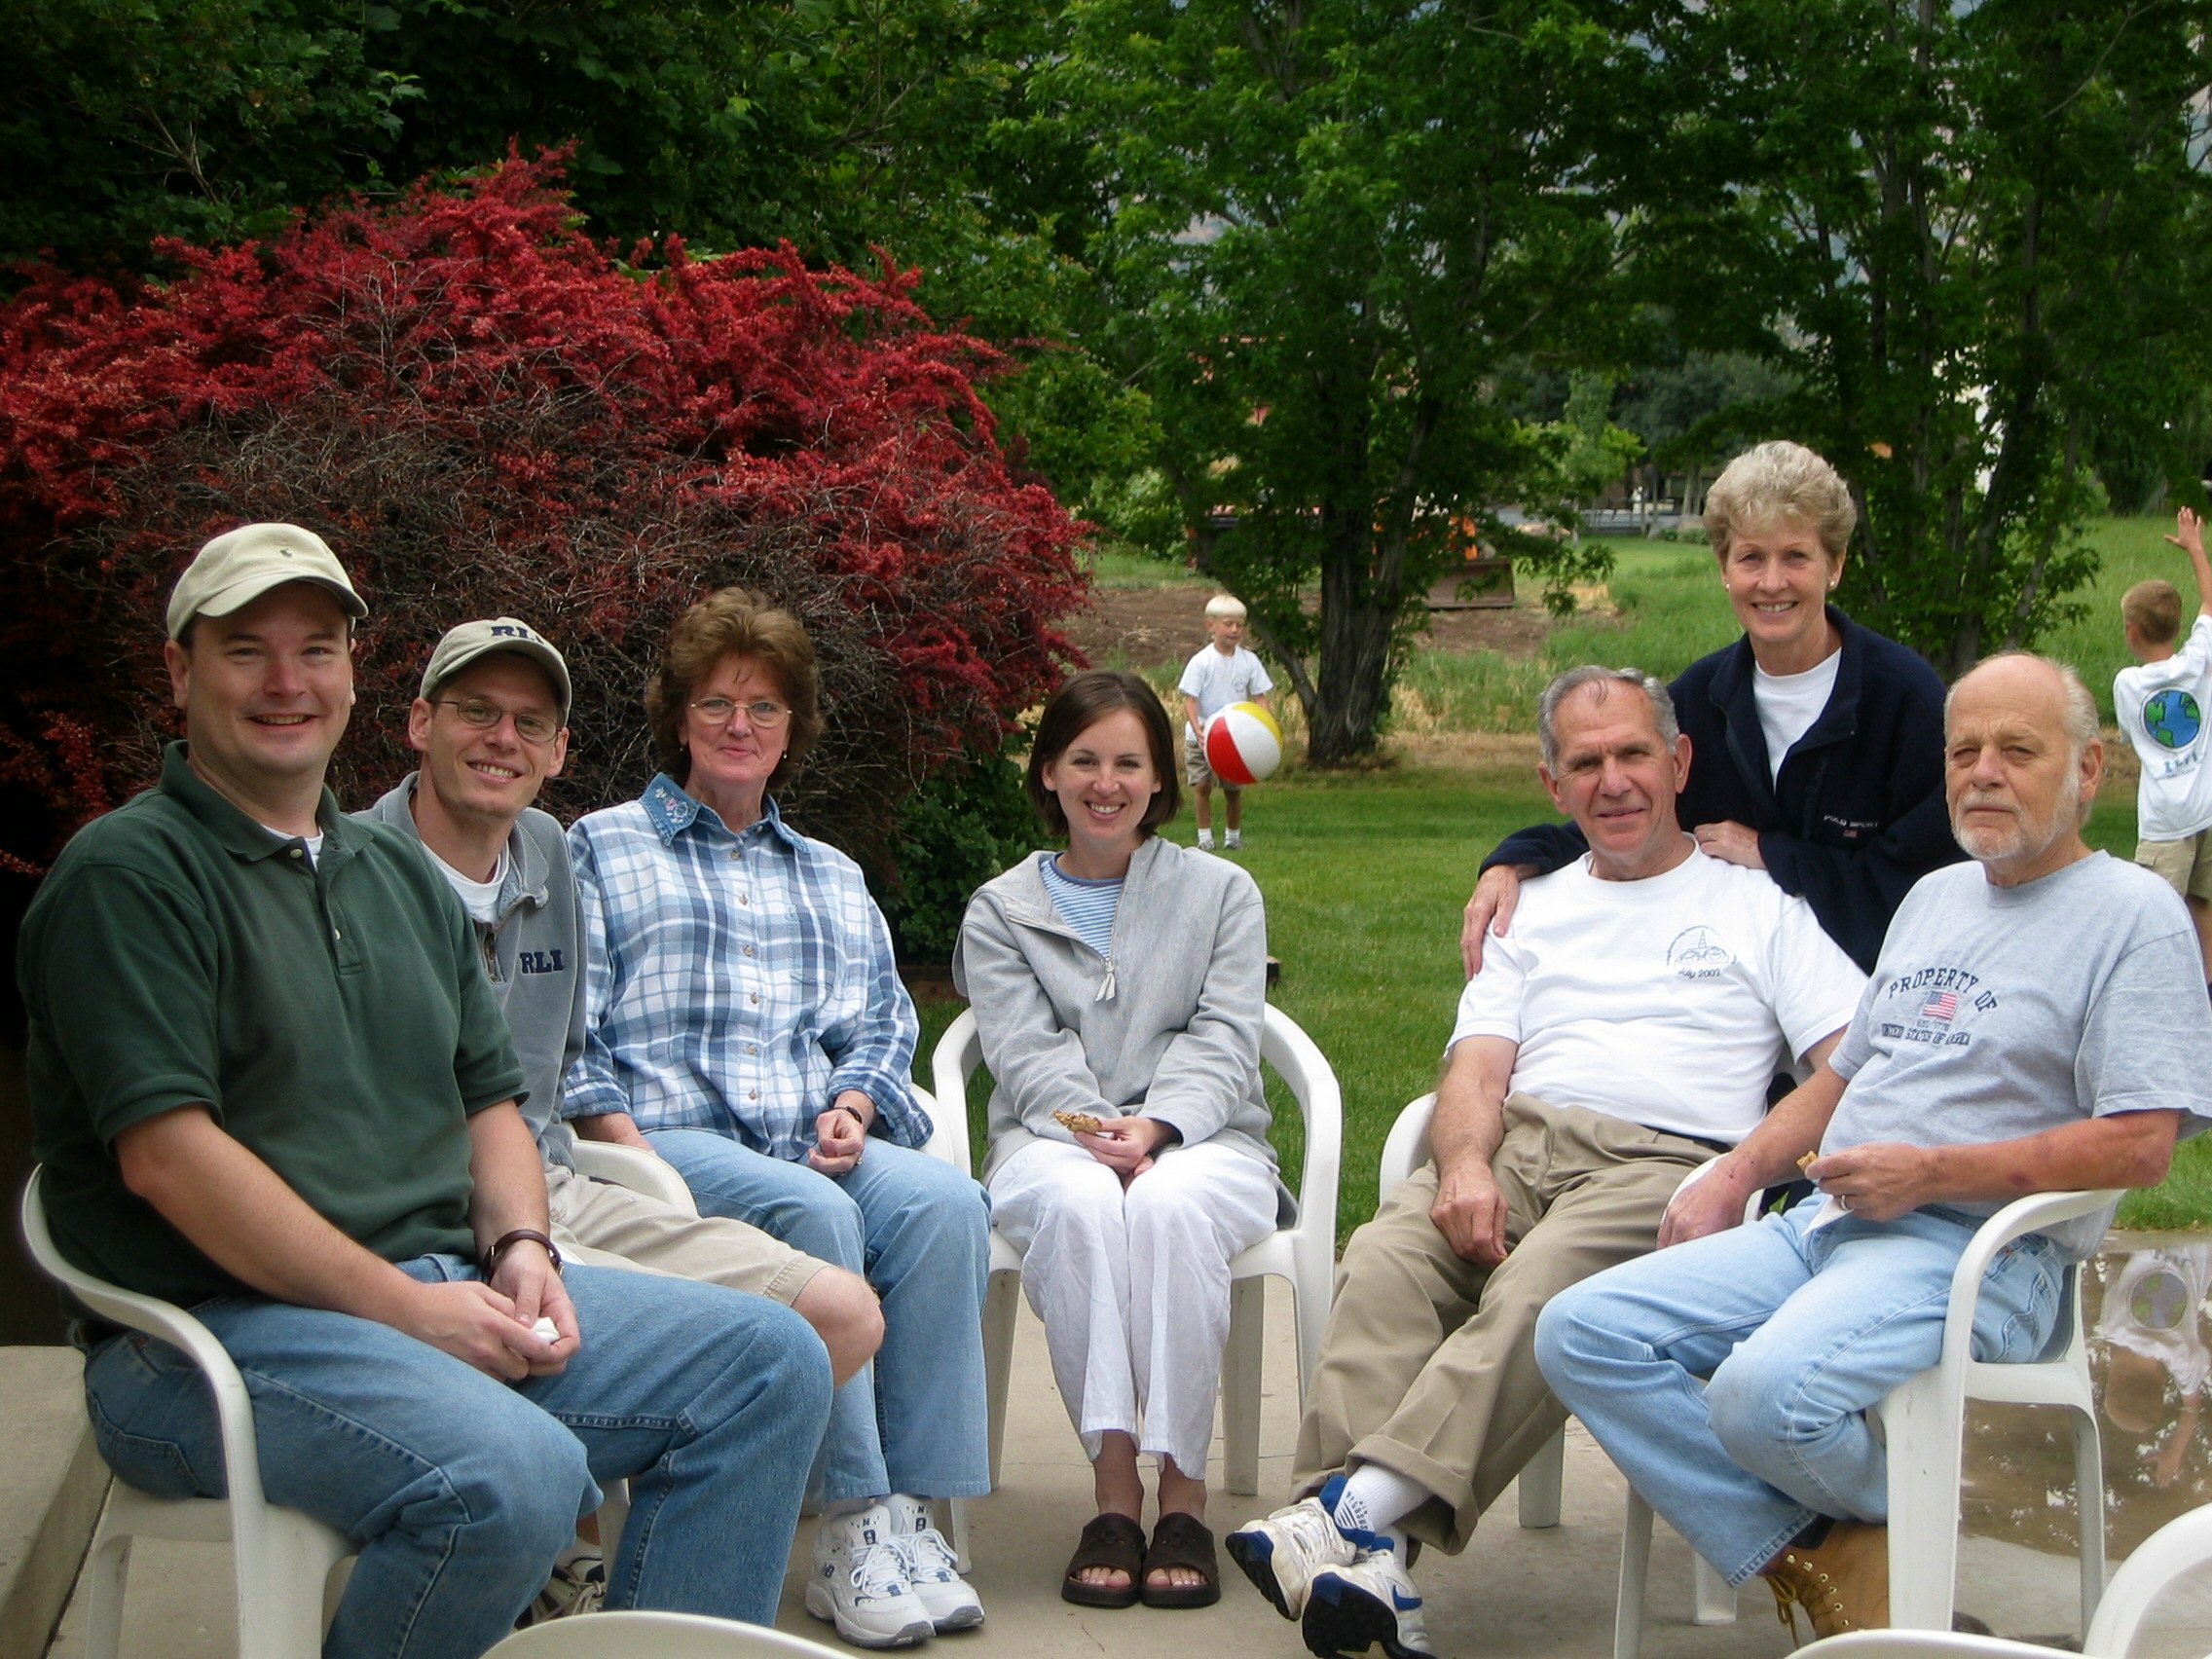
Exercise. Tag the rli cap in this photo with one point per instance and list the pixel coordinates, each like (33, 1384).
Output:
(239, 566)
(472, 639)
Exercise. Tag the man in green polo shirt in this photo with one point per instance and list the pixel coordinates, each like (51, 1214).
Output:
(270, 1081)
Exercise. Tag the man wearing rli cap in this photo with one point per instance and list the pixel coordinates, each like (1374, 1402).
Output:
(491, 726)
(270, 1082)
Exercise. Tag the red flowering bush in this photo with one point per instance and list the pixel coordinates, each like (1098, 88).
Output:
(485, 412)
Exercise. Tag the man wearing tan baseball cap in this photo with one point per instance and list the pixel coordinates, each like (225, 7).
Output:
(239, 566)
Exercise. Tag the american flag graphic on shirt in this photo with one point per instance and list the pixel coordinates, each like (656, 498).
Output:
(1943, 1004)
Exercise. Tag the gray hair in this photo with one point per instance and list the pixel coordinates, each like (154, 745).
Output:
(2078, 705)
(1780, 480)
(1591, 674)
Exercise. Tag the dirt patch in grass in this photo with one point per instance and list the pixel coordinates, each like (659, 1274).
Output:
(1145, 627)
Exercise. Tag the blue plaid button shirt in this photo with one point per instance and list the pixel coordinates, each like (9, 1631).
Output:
(735, 982)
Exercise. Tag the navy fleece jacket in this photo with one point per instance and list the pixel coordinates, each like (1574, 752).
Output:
(1857, 815)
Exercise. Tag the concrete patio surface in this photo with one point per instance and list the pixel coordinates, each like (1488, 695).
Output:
(1514, 1594)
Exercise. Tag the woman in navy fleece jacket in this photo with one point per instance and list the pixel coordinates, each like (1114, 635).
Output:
(1816, 745)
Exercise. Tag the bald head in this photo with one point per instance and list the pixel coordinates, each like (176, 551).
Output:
(2022, 762)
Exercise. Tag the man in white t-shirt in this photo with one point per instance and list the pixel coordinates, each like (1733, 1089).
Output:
(1223, 673)
(1623, 1034)
(2164, 705)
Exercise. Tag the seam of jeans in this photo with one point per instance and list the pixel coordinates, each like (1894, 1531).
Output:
(1801, 1421)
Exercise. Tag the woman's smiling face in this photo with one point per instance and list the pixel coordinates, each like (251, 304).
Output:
(1105, 780)
(1779, 578)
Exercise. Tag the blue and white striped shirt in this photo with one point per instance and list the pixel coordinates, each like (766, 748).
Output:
(1086, 905)
(735, 982)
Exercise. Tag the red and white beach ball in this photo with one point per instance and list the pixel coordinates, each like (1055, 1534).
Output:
(1243, 745)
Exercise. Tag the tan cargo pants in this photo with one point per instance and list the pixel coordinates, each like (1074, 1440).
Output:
(1428, 1364)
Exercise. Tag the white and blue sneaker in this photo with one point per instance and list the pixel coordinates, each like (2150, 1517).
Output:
(860, 1585)
(932, 1570)
(1372, 1601)
(1280, 1553)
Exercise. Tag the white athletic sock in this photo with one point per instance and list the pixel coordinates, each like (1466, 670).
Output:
(1375, 1499)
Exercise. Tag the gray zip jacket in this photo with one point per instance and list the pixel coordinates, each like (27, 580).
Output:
(535, 957)
(1167, 1025)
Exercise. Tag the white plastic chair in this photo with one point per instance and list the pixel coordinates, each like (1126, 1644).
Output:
(637, 1169)
(1304, 1253)
(282, 1559)
(2174, 1549)
(1713, 1600)
(1924, 1419)
(657, 1635)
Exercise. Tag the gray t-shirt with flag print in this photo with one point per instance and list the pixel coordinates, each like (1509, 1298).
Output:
(1995, 1013)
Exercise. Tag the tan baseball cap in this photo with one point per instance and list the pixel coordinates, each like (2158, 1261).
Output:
(239, 566)
(472, 639)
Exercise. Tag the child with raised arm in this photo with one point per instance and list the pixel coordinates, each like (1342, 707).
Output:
(2163, 704)
(1222, 673)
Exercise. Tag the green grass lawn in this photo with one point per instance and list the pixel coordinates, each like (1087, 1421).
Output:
(1364, 877)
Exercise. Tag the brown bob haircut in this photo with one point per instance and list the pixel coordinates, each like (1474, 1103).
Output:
(733, 622)
(1081, 704)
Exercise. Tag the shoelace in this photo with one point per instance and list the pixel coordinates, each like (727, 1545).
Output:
(1314, 1532)
(928, 1556)
(1790, 1595)
(879, 1570)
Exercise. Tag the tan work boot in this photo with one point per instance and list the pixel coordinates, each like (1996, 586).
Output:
(1843, 1582)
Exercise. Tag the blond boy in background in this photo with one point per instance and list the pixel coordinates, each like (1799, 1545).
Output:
(2165, 706)
(1223, 673)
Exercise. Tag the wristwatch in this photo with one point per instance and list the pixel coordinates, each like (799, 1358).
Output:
(520, 1235)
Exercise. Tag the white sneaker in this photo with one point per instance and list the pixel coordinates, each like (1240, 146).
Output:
(1280, 1553)
(1205, 840)
(1348, 1610)
(860, 1585)
(931, 1567)
(578, 1585)
(1233, 840)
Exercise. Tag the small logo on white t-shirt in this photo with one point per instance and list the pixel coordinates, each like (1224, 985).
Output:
(1697, 953)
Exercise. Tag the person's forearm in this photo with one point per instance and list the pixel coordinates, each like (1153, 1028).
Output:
(243, 1216)
(509, 1177)
(1769, 1154)
(1470, 1108)
(2128, 1149)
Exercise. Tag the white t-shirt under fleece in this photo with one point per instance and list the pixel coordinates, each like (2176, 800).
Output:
(1217, 681)
(2165, 707)
(1669, 1002)
(1790, 703)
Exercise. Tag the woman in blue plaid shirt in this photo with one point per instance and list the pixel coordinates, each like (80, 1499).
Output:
(746, 1022)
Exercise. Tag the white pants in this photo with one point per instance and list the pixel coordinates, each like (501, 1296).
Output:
(1133, 1285)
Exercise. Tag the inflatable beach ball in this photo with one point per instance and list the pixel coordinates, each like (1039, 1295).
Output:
(1243, 745)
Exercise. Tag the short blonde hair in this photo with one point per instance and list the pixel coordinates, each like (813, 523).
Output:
(2152, 609)
(1227, 607)
(1780, 480)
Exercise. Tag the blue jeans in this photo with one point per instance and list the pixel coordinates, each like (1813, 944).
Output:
(919, 1231)
(460, 1489)
(1800, 1331)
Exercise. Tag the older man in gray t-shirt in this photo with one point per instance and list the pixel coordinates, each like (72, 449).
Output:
(2036, 1023)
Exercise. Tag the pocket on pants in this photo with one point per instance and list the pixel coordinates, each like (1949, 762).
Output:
(153, 1418)
(2023, 1279)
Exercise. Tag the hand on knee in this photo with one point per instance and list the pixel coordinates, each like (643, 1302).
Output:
(845, 1315)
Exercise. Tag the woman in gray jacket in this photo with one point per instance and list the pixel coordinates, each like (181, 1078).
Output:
(1119, 988)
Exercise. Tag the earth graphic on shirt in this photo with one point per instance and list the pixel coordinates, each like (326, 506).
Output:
(2172, 718)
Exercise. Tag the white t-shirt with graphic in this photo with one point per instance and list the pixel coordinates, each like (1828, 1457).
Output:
(1669, 1002)
(2165, 707)
(2154, 1307)
(1217, 681)
(1995, 1013)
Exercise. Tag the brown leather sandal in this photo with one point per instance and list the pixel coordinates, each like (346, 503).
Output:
(1181, 1540)
(1112, 1541)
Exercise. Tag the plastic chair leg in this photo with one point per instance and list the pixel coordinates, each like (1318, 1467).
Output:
(1241, 1385)
(106, 1568)
(1540, 1479)
(1635, 1569)
(2090, 1504)
(1925, 1430)
(1712, 1598)
(963, 1558)
(1000, 1302)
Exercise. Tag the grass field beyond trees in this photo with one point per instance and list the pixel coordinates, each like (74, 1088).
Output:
(1365, 872)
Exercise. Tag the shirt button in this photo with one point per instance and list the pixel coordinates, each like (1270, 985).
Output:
(298, 852)
(753, 1095)
(749, 951)
(744, 899)
(335, 933)
(752, 1048)
(754, 997)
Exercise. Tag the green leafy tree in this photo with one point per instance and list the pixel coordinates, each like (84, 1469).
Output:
(1973, 234)
(1325, 231)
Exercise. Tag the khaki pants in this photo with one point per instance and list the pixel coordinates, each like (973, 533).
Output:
(614, 1227)
(1428, 1364)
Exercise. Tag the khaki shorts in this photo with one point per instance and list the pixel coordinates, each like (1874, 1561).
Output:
(2186, 865)
(1197, 773)
(614, 1227)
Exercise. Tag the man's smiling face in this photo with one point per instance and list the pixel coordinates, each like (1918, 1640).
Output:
(1617, 778)
(489, 773)
(266, 691)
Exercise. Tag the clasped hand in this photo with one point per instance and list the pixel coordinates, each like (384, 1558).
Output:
(1126, 1145)
(492, 1325)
